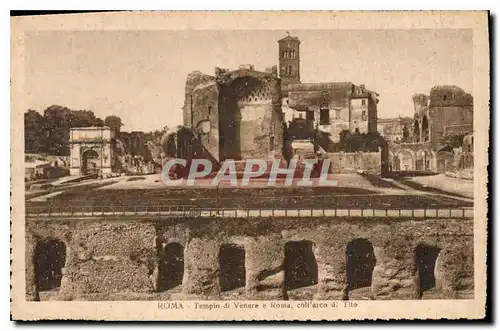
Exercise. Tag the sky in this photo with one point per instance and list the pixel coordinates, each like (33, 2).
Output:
(140, 75)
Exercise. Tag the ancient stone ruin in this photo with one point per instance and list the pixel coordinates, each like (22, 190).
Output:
(294, 258)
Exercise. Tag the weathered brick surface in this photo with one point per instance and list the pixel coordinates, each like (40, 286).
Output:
(119, 257)
(243, 108)
(352, 162)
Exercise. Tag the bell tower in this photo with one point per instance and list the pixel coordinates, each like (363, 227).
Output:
(289, 60)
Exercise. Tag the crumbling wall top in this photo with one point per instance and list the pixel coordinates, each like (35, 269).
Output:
(195, 78)
(421, 103)
(450, 95)
(226, 77)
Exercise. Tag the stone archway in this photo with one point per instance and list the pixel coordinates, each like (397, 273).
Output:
(203, 133)
(426, 257)
(423, 160)
(396, 163)
(171, 267)
(91, 162)
(301, 268)
(360, 264)
(232, 270)
(203, 128)
(444, 160)
(406, 160)
(92, 150)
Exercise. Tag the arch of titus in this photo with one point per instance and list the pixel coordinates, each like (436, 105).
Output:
(91, 150)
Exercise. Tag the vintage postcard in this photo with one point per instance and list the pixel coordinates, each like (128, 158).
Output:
(200, 166)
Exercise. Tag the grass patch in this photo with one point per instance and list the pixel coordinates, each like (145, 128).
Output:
(431, 189)
(410, 173)
(365, 201)
(379, 182)
(132, 179)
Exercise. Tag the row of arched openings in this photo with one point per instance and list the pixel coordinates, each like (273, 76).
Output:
(301, 269)
(300, 265)
(424, 160)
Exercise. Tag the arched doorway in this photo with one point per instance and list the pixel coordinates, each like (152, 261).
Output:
(425, 262)
(425, 129)
(396, 163)
(301, 268)
(445, 161)
(202, 128)
(360, 264)
(90, 162)
(171, 267)
(406, 160)
(421, 159)
(48, 261)
(232, 271)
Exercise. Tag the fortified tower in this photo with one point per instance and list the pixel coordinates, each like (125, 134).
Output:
(289, 60)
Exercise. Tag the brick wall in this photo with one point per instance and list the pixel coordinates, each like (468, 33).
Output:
(352, 162)
(113, 260)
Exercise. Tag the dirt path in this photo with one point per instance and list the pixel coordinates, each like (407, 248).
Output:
(413, 191)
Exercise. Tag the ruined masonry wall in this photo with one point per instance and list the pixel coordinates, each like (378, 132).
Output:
(205, 107)
(194, 79)
(109, 258)
(352, 162)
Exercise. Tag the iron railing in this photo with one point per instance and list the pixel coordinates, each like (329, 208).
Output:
(194, 211)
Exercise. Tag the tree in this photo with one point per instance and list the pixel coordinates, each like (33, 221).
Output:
(114, 123)
(98, 122)
(33, 132)
(373, 141)
(344, 140)
(454, 140)
(50, 133)
(406, 134)
(58, 121)
(359, 142)
(356, 141)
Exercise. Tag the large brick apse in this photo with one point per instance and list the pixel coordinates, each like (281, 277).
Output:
(236, 114)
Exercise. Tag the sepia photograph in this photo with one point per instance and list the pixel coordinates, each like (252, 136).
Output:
(271, 173)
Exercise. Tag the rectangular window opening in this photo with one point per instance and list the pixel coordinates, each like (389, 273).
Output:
(324, 116)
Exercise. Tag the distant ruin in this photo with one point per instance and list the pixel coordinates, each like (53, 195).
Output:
(441, 134)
